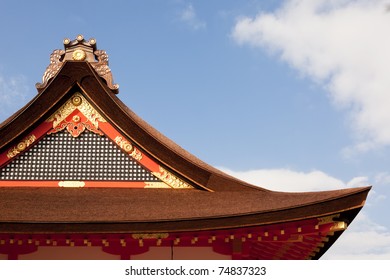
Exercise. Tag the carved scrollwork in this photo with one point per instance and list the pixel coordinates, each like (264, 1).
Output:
(124, 144)
(82, 51)
(101, 67)
(88, 118)
(171, 180)
(53, 68)
(21, 146)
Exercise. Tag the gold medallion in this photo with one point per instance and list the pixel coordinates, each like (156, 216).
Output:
(79, 55)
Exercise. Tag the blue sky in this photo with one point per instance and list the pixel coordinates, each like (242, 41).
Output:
(290, 95)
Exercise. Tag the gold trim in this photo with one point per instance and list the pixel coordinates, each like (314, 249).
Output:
(171, 180)
(136, 154)
(71, 184)
(150, 235)
(79, 55)
(327, 219)
(76, 118)
(124, 144)
(156, 185)
(83, 106)
(295, 238)
(21, 146)
(337, 226)
(77, 101)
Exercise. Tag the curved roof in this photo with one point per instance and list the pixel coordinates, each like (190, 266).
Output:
(248, 199)
(218, 201)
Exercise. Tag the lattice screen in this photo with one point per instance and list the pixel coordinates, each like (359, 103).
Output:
(88, 157)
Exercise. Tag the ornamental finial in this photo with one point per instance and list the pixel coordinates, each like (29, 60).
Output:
(83, 51)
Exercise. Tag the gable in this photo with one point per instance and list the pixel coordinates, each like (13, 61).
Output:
(76, 146)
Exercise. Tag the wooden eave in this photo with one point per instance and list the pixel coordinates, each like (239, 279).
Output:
(113, 210)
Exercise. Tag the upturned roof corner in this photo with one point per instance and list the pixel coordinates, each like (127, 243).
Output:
(79, 50)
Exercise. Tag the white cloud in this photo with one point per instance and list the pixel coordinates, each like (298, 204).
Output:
(383, 178)
(284, 179)
(13, 94)
(344, 45)
(189, 16)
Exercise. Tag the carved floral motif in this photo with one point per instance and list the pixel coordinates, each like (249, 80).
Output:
(21, 146)
(171, 180)
(75, 116)
(124, 144)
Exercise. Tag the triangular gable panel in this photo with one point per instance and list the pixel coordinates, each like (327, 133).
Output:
(77, 147)
(61, 157)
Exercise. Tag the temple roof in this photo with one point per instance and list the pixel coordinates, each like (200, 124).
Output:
(197, 196)
(164, 210)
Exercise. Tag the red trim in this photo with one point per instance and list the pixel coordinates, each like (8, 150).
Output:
(112, 133)
(38, 132)
(47, 128)
(87, 184)
(261, 242)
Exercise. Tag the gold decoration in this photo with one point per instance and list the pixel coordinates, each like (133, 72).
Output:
(124, 144)
(156, 185)
(295, 238)
(136, 154)
(71, 184)
(76, 118)
(21, 146)
(171, 180)
(79, 55)
(76, 100)
(149, 235)
(73, 126)
(337, 226)
(327, 219)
